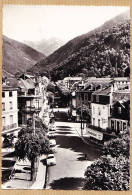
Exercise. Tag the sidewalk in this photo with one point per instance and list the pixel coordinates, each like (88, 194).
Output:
(21, 179)
(40, 179)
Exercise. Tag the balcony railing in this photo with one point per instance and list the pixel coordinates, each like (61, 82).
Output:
(8, 127)
(31, 109)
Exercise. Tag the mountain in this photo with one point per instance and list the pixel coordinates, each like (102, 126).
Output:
(18, 57)
(101, 52)
(46, 46)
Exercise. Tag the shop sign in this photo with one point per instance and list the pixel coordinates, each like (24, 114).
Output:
(95, 134)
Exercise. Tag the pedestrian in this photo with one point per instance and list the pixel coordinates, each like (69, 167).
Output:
(85, 156)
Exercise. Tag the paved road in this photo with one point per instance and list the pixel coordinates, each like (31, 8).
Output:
(68, 173)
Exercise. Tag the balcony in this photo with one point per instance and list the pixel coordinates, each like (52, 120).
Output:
(9, 127)
(31, 109)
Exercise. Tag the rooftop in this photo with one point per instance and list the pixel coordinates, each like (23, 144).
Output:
(20, 83)
(8, 88)
(73, 78)
(105, 91)
(123, 102)
(96, 83)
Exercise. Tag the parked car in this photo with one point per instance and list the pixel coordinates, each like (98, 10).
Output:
(52, 127)
(53, 149)
(52, 142)
(51, 134)
(51, 159)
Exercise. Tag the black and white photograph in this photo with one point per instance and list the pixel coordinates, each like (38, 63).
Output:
(65, 97)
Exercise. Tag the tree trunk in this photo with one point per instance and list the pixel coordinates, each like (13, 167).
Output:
(32, 169)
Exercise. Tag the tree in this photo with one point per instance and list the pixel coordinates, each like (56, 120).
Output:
(121, 145)
(108, 174)
(85, 112)
(111, 171)
(127, 72)
(30, 146)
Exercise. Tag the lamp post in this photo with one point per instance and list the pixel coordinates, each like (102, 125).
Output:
(82, 125)
(33, 119)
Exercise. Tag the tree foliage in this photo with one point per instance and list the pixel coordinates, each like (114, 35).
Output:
(85, 112)
(29, 145)
(99, 55)
(111, 171)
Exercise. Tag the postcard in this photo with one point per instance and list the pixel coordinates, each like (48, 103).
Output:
(65, 97)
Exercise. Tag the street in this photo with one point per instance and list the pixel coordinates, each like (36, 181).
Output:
(68, 173)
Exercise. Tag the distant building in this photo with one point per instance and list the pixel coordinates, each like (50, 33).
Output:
(120, 116)
(71, 81)
(121, 83)
(27, 76)
(84, 94)
(121, 95)
(9, 109)
(101, 107)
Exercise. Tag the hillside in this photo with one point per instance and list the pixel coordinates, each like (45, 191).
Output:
(96, 53)
(18, 57)
(46, 46)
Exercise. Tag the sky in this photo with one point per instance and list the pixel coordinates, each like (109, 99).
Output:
(34, 23)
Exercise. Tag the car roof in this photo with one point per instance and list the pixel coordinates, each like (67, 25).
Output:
(50, 155)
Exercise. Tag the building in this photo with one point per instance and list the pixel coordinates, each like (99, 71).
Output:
(71, 81)
(122, 82)
(122, 94)
(101, 107)
(120, 116)
(9, 109)
(29, 99)
(103, 101)
(84, 93)
(27, 76)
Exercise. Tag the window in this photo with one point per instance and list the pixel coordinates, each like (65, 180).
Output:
(11, 119)
(36, 103)
(119, 110)
(10, 93)
(85, 96)
(93, 110)
(99, 111)
(92, 98)
(98, 122)
(11, 105)
(79, 97)
(97, 98)
(3, 106)
(82, 96)
(3, 94)
(91, 87)
(3, 121)
(93, 121)
(28, 103)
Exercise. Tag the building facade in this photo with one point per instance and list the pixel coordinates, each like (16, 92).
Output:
(9, 109)
(101, 108)
(120, 116)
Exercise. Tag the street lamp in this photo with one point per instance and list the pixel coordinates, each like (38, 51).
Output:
(52, 116)
(82, 124)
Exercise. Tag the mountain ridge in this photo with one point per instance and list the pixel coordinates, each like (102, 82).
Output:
(70, 48)
(17, 57)
(46, 46)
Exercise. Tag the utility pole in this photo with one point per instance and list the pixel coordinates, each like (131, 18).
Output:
(33, 123)
(81, 118)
